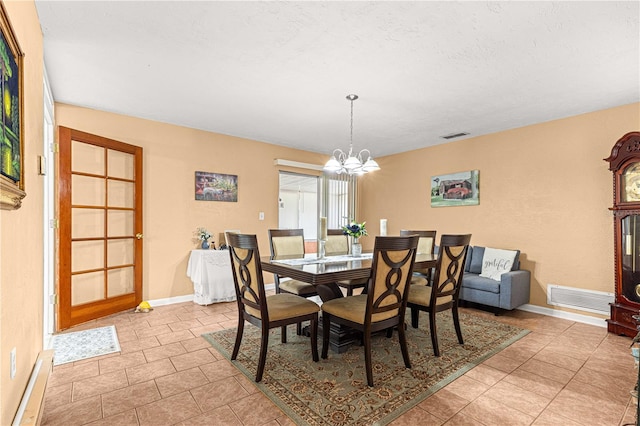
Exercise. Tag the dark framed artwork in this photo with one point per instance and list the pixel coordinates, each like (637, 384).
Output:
(216, 187)
(11, 128)
(456, 189)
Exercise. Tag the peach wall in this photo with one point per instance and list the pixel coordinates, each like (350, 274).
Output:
(171, 156)
(544, 189)
(21, 270)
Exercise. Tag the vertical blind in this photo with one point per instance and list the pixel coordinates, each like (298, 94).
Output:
(338, 199)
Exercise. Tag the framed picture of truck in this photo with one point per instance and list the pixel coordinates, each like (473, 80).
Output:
(456, 189)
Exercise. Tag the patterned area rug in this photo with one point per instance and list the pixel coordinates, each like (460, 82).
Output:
(70, 347)
(335, 392)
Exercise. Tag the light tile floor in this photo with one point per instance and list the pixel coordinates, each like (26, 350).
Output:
(562, 373)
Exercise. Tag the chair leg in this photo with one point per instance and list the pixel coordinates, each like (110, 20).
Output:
(389, 332)
(326, 323)
(314, 338)
(239, 332)
(367, 358)
(456, 324)
(414, 317)
(434, 335)
(283, 334)
(402, 337)
(349, 291)
(264, 343)
(299, 328)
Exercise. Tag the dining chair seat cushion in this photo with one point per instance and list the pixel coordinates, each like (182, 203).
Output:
(358, 282)
(419, 280)
(423, 271)
(352, 308)
(421, 295)
(283, 305)
(297, 287)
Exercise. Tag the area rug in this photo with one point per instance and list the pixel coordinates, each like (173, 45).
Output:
(334, 391)
(70, 347)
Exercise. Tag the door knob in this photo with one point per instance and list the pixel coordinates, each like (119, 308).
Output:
(139, 236)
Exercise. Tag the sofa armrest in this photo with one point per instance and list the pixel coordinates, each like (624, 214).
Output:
(514, 289)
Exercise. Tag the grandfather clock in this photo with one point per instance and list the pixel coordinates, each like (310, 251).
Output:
(624, 162)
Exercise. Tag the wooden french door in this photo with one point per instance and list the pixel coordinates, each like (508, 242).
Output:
(100, 237)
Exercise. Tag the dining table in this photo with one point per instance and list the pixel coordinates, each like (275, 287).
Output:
(324, 272)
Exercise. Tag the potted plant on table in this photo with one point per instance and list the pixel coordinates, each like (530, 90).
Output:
(355, 230)
(203, 235)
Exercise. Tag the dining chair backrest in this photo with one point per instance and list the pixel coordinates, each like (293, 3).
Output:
(247, 274)
(337, 243)
(447, 280)
(427, 242)
(286, 243)
(392, 266)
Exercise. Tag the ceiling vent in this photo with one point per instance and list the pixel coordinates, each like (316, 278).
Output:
(454, 135)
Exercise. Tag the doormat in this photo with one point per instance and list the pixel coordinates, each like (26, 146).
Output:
(70, 347)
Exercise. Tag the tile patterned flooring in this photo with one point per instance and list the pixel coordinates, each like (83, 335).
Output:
(562, 373)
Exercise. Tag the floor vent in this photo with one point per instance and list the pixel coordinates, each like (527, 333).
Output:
(577, 298)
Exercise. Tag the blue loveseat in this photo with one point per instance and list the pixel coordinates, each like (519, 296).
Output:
(510, 292)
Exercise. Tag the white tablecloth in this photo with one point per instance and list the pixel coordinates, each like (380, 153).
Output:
(210, 271)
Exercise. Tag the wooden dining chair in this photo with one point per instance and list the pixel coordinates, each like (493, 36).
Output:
(289, 244)
(426, 245)
(443, 294)
(338, 244)
(384, 304)
(265, 312)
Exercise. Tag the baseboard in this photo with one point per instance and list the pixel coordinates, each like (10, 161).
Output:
(586, 319)
(171, 300)
(30, 409)
(188, 298)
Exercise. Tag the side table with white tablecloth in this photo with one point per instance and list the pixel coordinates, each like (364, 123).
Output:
(210, 272)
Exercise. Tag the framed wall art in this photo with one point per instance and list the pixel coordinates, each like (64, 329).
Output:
(216, 187)
(456, 189)
(11, 128)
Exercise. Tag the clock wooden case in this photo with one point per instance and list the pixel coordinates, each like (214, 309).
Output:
(624, 163)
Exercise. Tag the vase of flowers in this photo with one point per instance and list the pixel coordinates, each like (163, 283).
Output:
(203, 235)
(355, 230)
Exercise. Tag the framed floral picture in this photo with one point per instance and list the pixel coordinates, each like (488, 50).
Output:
(11, 134)
(216, 187)
(456, 189)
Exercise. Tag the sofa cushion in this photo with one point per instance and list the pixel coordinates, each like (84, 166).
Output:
(475, 266)
(474, 260)
(467, 263)
(476, 282)
(495, 262)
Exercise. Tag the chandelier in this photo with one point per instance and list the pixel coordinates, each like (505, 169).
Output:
(359, 164)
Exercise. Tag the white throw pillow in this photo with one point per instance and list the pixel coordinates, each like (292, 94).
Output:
(496, 262)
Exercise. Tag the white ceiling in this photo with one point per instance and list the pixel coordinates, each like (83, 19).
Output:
(279, 72)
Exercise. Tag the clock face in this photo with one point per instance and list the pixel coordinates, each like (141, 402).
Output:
(631, 183)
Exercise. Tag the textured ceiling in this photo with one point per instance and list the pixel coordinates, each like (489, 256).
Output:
(279, 72)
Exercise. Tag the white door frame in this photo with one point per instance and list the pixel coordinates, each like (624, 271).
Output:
(48, 316)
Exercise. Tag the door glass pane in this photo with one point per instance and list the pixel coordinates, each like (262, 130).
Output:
(87, 255)
(121, 164)
(87, 191)
(87, 288)
(87, 158)
(120, 223)
(120, 281)
(87, 223)
(120, 252)
(120, 193)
